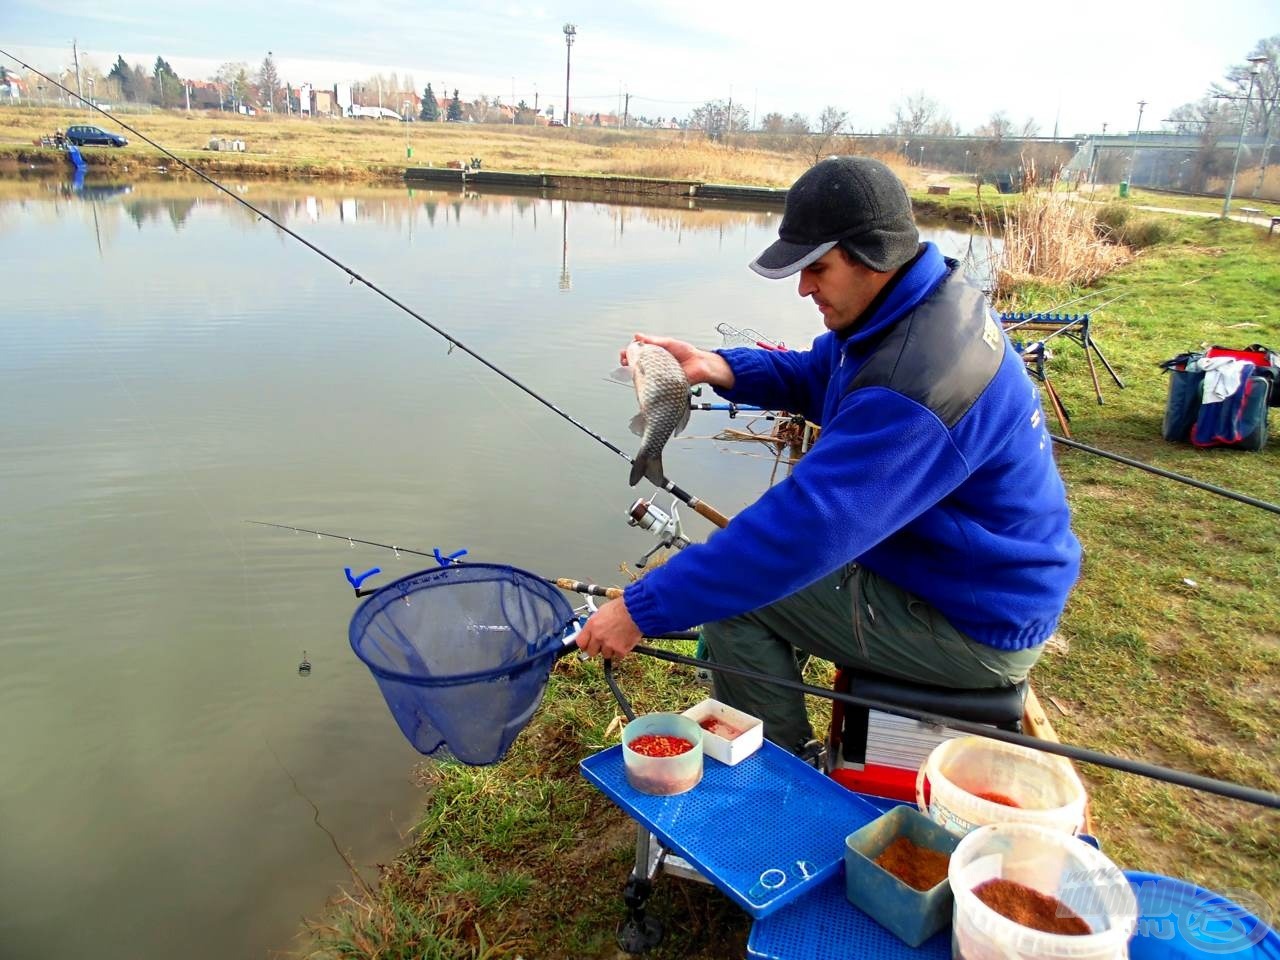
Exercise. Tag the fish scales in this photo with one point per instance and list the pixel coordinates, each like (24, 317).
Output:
(663, 393)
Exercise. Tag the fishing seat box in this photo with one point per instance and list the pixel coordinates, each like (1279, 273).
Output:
(888, 769)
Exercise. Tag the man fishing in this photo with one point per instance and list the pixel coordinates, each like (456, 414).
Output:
(926, 535)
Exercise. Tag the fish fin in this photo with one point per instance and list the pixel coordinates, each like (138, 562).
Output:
(637, 424)
(648, 467)
(653, 471)
(637, 470)
(623, 375)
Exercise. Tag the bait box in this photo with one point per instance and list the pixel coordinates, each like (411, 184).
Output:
(733, 751)
(663, 776)
(913, 916)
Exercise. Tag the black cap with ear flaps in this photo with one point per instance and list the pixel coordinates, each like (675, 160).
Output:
(853, 202)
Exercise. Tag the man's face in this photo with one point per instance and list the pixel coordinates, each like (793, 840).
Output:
(841, 288)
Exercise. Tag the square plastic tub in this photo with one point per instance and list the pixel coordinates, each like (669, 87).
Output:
(913, 916)
(727, 751)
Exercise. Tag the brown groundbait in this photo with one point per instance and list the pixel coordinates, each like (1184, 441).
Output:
(1030, 908)
(918, 867)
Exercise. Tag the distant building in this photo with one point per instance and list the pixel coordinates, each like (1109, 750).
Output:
(322, 103)
(342, 97)
(205, 95)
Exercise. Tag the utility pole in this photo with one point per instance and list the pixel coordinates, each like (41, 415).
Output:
(1137, 134)
(187, 85)
(728, 117)
(1244, 120)
(626, 110)
(570, 32)
(75, 56)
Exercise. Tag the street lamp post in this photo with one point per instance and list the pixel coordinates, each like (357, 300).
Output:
(1244, 120)
(271, 94)
(570, 32)
(1133, 157)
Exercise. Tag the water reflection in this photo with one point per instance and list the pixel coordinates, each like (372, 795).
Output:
(401, 208)
(172, 367)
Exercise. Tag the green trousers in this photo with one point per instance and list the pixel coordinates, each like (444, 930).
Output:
(853, 618)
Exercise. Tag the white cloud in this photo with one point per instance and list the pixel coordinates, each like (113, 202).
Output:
(1080, 65)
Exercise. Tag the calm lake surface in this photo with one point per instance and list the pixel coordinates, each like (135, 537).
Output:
(169, 368)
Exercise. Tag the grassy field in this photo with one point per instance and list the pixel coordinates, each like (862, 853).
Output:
(1172, 656)
(349, 149)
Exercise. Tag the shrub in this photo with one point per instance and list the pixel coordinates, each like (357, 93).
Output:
(1146, 232)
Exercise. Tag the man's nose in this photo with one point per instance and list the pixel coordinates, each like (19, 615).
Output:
(806, 287)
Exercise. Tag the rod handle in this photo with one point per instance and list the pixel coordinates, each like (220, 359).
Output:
(711, 513)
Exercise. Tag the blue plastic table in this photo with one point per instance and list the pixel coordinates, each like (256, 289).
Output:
(771, 812)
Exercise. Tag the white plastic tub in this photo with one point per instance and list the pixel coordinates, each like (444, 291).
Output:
(663, 776)
(1045, 787)
(1050, 862)
(728, 750)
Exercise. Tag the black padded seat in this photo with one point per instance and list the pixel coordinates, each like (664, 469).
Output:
(999, 706)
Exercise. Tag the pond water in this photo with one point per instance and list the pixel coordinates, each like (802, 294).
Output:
(172, 367)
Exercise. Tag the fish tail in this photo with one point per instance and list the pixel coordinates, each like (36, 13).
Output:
(650, 468)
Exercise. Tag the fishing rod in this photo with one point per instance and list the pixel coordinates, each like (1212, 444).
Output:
(1071, 752)
(576, 586)
(1152, 771)
(1168, 474)
(564, 583)
(701, 507)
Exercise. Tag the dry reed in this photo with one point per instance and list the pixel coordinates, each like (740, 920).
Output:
(1049, 238)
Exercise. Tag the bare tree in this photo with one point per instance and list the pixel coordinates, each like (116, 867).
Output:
(997, 127)
(714, 117)
(913, 115)
(797, 123)
(830, 122)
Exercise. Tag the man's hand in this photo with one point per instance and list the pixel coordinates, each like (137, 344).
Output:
(699, 366)
(610, 632)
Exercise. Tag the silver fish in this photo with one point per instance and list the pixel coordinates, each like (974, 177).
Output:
(663, 392)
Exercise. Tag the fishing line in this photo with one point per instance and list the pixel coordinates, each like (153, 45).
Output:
(702, 508)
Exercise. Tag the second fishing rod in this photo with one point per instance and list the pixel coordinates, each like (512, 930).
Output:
(701, 507)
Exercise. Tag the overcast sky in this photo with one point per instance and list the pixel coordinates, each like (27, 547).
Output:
(1078, 64)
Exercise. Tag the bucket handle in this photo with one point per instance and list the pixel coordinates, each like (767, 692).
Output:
(920, 787)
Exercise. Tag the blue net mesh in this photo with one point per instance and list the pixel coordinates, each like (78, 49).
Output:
(462, 654)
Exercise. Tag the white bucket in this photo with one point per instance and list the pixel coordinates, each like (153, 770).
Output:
(1045, 787)
(1051, 863)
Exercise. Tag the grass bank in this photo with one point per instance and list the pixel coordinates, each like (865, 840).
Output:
(1173, 656)
(291, 146)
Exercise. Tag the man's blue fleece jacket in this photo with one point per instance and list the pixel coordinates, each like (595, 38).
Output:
(971, 517)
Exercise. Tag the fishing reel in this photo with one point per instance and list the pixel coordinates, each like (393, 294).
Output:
(647, 515)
